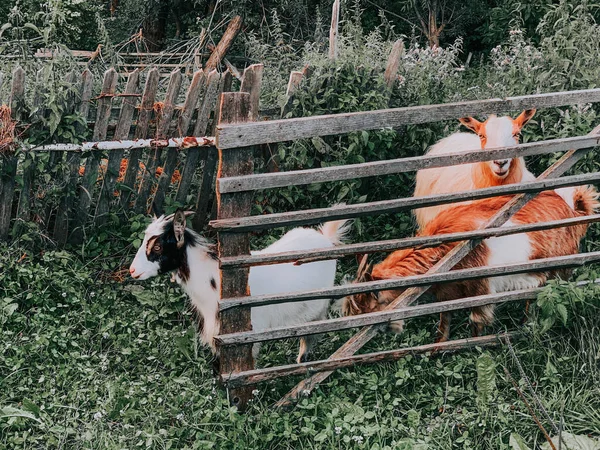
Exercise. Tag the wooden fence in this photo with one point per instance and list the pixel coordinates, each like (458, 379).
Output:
(235, 138)
(143, 149)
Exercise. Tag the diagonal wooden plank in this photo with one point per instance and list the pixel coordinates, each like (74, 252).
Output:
(357, 341)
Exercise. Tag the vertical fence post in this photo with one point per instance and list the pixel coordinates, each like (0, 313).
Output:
(333, 30)
(8, 169)
(113, 166)
(235, 108)
(90, 174)
(391, 69)
(209, 155)
(141, 132)
(162, 129)
(61, 224)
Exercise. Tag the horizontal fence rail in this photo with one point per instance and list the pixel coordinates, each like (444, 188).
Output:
(400, 165)
(308, 368)
(554, 263)
(182, 142)
(344, 323)
(240, 135)
(312, 216)
(308, 256)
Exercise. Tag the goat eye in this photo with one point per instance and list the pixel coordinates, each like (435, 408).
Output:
(157, 248)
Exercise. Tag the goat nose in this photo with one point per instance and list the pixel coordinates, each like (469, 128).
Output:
(501, 163)
(131, 270)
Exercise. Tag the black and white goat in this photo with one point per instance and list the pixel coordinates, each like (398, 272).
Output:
(169, 246)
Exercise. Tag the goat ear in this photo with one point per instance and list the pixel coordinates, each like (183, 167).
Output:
(471, 124)
(156, 212)
(524, 117)
(179, 227)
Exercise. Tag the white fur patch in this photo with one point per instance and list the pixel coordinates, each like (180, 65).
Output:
(511, 249)
(567, 194)
(499, 132)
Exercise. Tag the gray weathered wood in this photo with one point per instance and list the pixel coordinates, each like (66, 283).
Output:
(333, 30)
(191, 100)
(162, 127)
(252, 377)
(379, 317)
(211, 82)
(115, 157)
(9, 159)
(391, 69)
(82, 103)
(428, 279)
(235, 107)
(90, 175)
(207, 189)
(141, 132)
(312, 216)
(292, 86)
(356, 342)
(251, 83)
(28, 162)
(231, 136)
(304, 257)
(401, 165)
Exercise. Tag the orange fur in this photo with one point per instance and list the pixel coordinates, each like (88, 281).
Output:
(545, 207)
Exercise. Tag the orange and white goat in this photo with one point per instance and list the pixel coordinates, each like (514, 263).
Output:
(494, 132)
(516, 248)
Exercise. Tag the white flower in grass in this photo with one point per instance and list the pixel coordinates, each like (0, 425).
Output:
(98, 415)
(92, 294)
(306, 392)
(209, 397)
(338, 430)
(64, 294)
(358, 439)
(180, 417)
(255, 392)
(105, 335)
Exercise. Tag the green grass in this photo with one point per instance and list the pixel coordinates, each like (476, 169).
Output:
(90, 362)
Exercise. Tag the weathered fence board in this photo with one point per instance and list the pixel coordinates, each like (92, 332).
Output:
(141, 132)
(90, 175)
(235, 107)
(401, 165)
(162, 128)
(304, 257)
(252, 377)
(311, 216)
(61, 224)
(231, 136)
(9, 159)
(209, 84)
(113, 165)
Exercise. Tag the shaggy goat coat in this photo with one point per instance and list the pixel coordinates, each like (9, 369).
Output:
(517, 248)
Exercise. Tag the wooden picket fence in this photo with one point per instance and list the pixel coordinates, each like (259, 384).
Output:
(236, 182)
(143, 149)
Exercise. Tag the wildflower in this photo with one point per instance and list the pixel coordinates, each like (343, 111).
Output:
(306, 392)
(98, 416)
(179, 417)
(255, 392)
(105, 335)
(358, 439)
(209, 397)
(64, 294)
(92, 294)
(338, 430)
